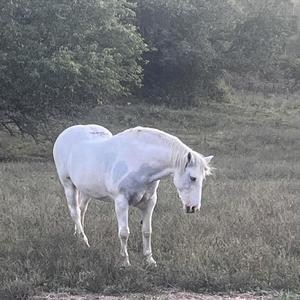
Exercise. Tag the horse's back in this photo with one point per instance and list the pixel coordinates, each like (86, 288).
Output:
(73, 136)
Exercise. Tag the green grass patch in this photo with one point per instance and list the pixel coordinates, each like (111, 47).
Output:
(245, 238)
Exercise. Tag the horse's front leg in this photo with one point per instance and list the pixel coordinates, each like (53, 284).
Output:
(147, 212)
(121, 208)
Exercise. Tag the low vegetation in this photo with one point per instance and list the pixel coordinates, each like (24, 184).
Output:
(64, 57)
(246, 236)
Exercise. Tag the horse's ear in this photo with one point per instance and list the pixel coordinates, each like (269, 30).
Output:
(189, 159)
(208, 158)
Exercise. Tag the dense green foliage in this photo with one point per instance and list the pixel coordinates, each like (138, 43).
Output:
(290, 62)
(260, 36)
(63, 56)
(187, 40)
(58, 55)
(194, 42)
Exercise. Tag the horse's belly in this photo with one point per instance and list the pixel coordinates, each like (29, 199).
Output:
(94, 191)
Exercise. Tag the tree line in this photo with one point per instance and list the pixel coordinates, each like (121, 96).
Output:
(63, 56)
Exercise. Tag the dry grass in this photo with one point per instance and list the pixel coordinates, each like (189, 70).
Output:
(168, 295)
(245, 238)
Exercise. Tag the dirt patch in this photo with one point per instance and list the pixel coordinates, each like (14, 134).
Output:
(162, 296)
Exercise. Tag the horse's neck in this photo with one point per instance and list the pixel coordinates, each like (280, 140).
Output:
(161, 173)
(169, 153)
(168, 161)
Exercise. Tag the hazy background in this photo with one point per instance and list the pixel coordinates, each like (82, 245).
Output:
(223, 76)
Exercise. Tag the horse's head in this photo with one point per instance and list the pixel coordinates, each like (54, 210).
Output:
(188, 180)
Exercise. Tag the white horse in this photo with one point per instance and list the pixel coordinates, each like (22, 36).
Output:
(126, 168)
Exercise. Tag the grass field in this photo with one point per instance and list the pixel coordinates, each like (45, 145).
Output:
(246, 238)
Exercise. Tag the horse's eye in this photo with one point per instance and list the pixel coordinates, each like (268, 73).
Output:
(193, 179)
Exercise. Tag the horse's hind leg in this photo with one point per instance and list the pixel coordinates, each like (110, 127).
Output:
(83, 201)
(74, 209)
(78, 201)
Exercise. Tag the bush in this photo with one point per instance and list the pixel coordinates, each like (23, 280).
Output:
(63, 57)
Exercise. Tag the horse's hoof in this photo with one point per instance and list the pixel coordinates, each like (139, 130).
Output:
(86, 242)
(150, 262)
(126, 263)
(83, 239)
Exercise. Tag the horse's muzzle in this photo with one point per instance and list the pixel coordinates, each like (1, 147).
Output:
(190, 209)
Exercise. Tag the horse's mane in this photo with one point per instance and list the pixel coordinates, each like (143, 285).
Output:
(179, 151)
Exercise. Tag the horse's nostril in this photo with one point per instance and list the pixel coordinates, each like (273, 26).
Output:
(193, 209)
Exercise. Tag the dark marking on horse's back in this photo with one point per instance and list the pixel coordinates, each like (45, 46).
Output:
(101, 133)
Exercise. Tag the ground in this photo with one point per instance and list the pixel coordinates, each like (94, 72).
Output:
(167, 295)
(246, 237)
